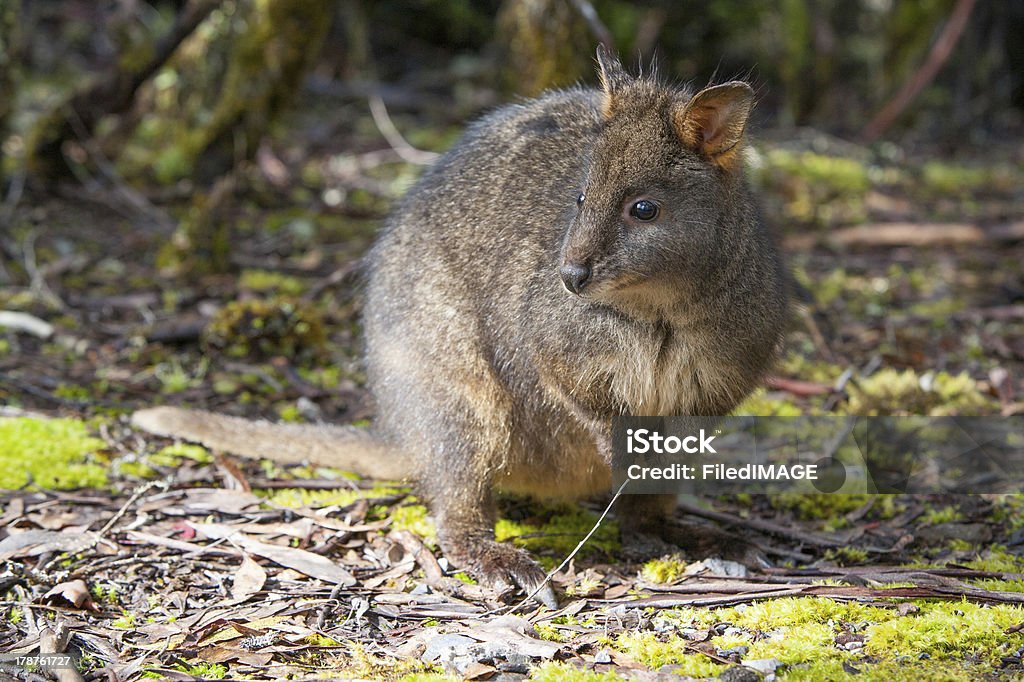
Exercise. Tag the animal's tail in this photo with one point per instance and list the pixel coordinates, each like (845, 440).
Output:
(344, 447)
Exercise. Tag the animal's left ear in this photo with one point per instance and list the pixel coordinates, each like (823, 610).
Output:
(712, 122)
(613, 80)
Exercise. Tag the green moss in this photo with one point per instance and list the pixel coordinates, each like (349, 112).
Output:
(942, 179)
(136, 470)
(946, 514)
(1009, 509)
(465, 577)
(816, 188)
(807, 369)
(105, 592)
(801, 633)
(847, 556)
(891, 392)
(126, 621)
(809, 506)
(266, 281)
(954, 630)
(72, 392)
(172, 455)
(663, 571)
(997, 560)
(428, 677)
(413, 518)
(289, 412)
(788, 612)
(267, 327)
(551, 671)
(647, 648)
(300, 497)
(758, 404)
(562, 530)
(841, 175)
(798, 644)
(361, 664)
(323, 377)
(48, 453)
(174, 378)
(204, 670)
(549, 632)
(994, 585)
(937, 309)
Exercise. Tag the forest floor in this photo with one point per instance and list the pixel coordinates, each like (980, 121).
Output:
(161, 559)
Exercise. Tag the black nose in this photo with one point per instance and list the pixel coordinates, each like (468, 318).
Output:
(574, 276)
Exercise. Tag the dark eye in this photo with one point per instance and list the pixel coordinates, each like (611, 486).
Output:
(644, 210)
(579, 198)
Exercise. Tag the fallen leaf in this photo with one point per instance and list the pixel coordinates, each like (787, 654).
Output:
(36, 542)
(307, 563)
(477, 670)
(74, 592)
(249, 579)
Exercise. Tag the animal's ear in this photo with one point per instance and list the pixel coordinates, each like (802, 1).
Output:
(712, 122)
(613, 79)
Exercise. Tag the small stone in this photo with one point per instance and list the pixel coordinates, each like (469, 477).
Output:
(738, 673)
(715, 567)
(763, 665)
(515, 663)
(603, 657)
(443, 645)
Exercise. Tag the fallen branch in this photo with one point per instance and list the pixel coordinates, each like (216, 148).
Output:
(933, 63)
(912, 234)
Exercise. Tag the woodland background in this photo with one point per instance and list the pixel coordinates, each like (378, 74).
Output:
(186, 189)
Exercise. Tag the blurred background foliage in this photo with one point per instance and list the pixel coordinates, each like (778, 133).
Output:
(826, 63)
(175, 98)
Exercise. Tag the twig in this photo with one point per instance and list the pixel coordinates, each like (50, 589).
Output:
(38, 282)
(14, 192)
(55, 641)
(798, 534)
(933, 63)
(597, 27)
(394, 138)
(124, 508)
(820, 344)
(134, 198)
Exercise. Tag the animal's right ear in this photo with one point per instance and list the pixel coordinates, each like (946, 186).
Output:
(712, 122)
(613, 79)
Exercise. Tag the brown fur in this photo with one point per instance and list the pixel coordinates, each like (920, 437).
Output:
(488, 374)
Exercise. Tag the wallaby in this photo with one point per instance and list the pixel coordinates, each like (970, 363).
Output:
(591, 253)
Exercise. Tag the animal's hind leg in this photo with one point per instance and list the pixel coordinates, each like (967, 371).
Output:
(465, 512)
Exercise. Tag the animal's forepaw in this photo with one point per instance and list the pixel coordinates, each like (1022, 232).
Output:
(503, 568)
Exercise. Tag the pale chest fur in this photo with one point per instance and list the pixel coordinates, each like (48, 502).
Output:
(662, 373)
